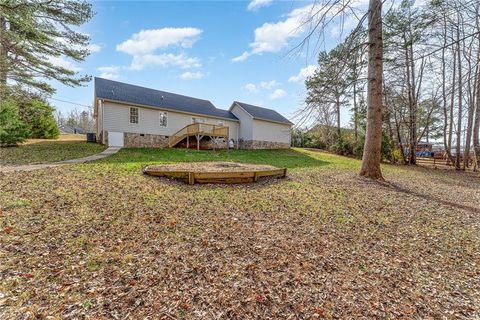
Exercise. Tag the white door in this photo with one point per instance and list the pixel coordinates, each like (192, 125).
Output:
(115, 139)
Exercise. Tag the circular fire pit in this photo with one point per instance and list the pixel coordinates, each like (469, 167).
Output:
(214, 172)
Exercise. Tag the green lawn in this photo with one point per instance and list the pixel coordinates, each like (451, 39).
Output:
(102, 240)
(293, 158)
(45, 151)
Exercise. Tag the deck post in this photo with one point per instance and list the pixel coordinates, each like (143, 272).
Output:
(191, 178)
(198, 142)
(188, 145)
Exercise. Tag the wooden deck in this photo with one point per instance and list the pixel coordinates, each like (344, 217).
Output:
(199, 130)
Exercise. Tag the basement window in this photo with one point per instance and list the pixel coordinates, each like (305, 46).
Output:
(162, 119)
(133, 115)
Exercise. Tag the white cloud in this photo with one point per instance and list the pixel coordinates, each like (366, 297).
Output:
(94, 48)
(110, 72)
(192, 75)
(244, 56)
(272, 37)
(164, 60)
(266, 85)
(269, 84)
(144, 46)
(303, 74)
(250, 87)
(277, 94)
(64, 63)
(257, 4)
(147, 41)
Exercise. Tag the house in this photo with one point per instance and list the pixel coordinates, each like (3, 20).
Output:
(68, 129)
(134, 116)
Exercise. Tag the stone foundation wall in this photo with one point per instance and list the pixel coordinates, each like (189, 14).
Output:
(144, 140)
(257, 144)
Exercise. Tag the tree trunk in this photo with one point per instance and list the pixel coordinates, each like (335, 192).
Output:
(452, 103)
(446, 142)
(388, 120)
(373, 138)
(471, 109)
(339, 129)
(411, 112)
(413, 115)
(476, 125)
(355, 110)
(3, 58)
(458, 156)
(399, 136)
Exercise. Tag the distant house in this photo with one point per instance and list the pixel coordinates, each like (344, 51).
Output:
(68, 129)
(134, 116)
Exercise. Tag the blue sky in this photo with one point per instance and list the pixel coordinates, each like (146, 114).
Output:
(220, 51)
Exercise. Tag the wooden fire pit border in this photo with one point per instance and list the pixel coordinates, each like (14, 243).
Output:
(192, 177)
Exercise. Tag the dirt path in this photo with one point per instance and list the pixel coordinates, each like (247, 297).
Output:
(28, 167)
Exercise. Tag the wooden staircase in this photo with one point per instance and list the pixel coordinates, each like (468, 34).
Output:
(198, 130)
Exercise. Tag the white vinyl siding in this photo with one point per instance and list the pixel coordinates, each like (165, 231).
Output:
(246, 123)
(271, 131)
(116, 118)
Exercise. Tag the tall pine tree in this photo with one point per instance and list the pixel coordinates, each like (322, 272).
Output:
(33, 33)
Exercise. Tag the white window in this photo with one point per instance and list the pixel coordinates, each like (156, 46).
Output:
(198, 120)
(220, 123)
(162, 119)
(133, 115)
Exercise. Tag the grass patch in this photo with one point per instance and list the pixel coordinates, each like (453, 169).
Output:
(17, 204)
(47, 151)
(291, 158)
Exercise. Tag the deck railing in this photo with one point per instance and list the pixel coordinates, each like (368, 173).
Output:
(199, 130)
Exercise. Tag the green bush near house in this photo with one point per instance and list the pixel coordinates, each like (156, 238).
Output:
(26, 118)
(38, 115)
(12, 129)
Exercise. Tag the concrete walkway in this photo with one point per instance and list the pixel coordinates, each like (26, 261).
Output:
(29, 167)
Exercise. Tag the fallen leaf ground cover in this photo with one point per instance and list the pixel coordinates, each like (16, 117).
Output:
(101, 240)
(46, 151)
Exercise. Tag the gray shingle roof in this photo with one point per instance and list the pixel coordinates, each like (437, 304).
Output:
(263, 113)
(127, 93)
